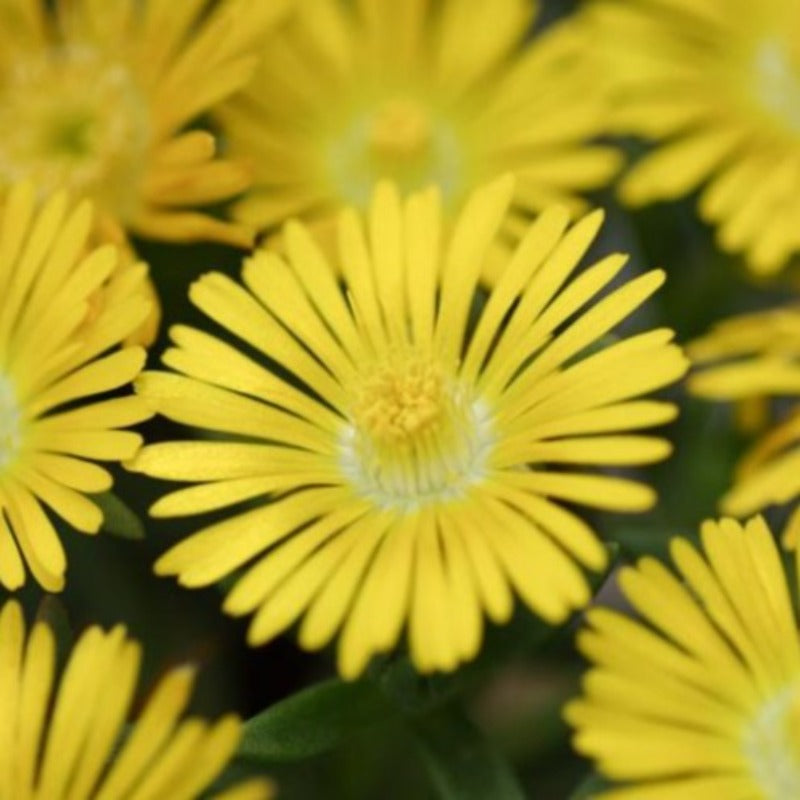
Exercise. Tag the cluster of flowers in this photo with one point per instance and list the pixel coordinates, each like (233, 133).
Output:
(413, 386)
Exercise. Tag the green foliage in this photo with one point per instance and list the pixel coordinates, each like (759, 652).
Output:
(313, 721)
(461, 763)
(589, 787)
(118, 518)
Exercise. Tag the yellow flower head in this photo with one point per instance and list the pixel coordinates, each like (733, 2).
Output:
(715, 84)
(95, 96)
(408, 463)
(749, 357)
(66, 738)
(63, 313)
(422, 93)
(700, 698)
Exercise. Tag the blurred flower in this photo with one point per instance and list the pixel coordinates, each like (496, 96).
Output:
(700, 698)
(63, 313)
(447, 94)
(755, 356)
(95, 97)
(70, 740)
(402, 460)
(716, 84)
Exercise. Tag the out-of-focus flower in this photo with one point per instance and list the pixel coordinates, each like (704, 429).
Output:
(450, 94)
(96, 96)
(409, 463)
(699, 697)
(715, 84)
(757, 356)
(63, 314)
(65, 738)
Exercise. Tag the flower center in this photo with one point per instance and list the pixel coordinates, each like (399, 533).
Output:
(400, 139)
(10, 428)
(396, 404)
(415, 436)
(772, 745)
(70, 117)
(777, 82)
(400, 130)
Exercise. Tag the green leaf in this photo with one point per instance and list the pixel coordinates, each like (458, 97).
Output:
(594, 783)
(313, 721)
(461, 763)
(118, 518)
(413, 693)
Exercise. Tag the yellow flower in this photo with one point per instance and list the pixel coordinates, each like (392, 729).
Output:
(61, 320)
(716, 86)
(67, 738)
(410, 478)
(96, 96)
(700, 698)
(421, 94)
(748, 357)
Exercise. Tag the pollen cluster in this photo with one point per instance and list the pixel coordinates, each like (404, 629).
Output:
(416, 436)
(398, 138)
(395, 403)
(400, 130)
(72, 117)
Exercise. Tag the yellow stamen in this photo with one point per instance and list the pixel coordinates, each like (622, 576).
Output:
(399, 139)
(73, 118)
(400, 130)
(416, 436)
(395, 404)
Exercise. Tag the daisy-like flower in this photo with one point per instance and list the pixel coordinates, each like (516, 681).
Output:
(715, 85)
(96, 97)
(699, 697)
(62, 317)
(407, 464)
(64, 736)
(750, 357)
(421, 93)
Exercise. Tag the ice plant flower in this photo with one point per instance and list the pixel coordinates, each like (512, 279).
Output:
(407, 464)
(96, 97)
(419, 93)
(715, 86)
(699, 697)
(62, 318)
(63, 736)
(757, 356)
